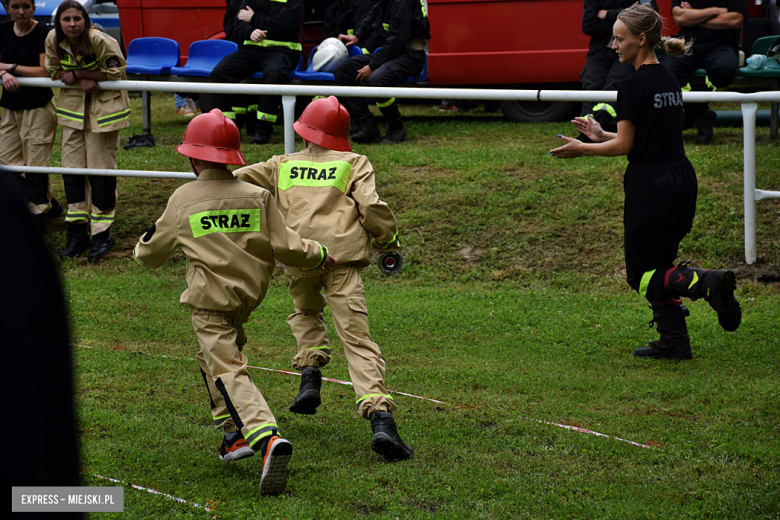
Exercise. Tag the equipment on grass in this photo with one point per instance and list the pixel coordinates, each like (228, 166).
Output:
(328, 55)
(390, 263)
(212, 137)
(325, 122)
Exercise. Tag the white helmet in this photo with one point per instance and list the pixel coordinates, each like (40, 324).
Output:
(328, 55)
(774, 53)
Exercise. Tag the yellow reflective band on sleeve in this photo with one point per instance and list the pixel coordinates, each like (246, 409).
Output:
(388, 244)
(686, 88)
(324, 253)
(239, 110)
(695, 279)
(424, 10)
(607, 107)
(386, 26)
(386, 103)
(320, 174)
(350, 32)
(645, 282)
(229, 115)
(262, 116)
(273, 43)
(251, 108)
(359, 399)
(113, 118)
(262, 431)
(76, 116)
(225, 221)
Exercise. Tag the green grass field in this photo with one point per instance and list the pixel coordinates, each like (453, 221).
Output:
(512, 310)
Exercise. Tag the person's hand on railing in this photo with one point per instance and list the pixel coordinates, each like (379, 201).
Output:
(68, 77)
(9, 82)
(89, 86)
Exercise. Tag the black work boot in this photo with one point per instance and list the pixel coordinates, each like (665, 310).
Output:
(396, 130)
(705, 124)
(263, 131)
(308, 398)
(715, 286)
(101, 245)
(78, 241)
(386, 440)
(669, 315)
(56, 209)
(368, 132)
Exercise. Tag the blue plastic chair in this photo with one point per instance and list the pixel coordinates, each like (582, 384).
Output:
(152, 56)
(310, 75)
(291, 75)
(204, 56)
(422, 76)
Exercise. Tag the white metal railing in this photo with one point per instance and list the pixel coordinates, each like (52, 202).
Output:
(748, 102)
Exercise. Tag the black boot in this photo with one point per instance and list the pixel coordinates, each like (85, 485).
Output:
(56, 209)
(263, 131)
(669, 315)
(308, 398)
(368, 132)
(78, 241)
(396, 130)
(705, 124)
(101, 245)
(386, 440)
(715, 286)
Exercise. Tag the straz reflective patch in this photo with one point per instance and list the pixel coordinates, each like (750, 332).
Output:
(308, 173)
(225, 221)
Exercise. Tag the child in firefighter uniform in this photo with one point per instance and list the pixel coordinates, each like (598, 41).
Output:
(91, 119)
(232, 233)
(328, 193)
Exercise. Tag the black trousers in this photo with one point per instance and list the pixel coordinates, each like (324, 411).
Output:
(720, 61)
(37, 188)
(391, 73)
(102, 190)
(659, 210)
(603, 71)
(274, 63)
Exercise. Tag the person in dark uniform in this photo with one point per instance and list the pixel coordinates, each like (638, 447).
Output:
(402, 29)
(660, 185)
(344, 17)
(268, 32)
(713, 26)
(603, 70)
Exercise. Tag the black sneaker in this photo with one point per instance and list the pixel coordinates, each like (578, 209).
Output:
(308, 398)
(705, 124)
(386, 440)
(78, 241)
(276, 455)
(666, 349)
(234, 447)
(101, 245)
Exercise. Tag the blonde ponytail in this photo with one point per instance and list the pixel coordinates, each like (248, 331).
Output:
(675, 46)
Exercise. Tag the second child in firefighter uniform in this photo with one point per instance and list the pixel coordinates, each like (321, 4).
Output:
(91, 118)
(401, 29)
(328, 193)
(232, 233)
(660, 186)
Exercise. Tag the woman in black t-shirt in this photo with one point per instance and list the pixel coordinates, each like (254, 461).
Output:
(660, 185)
(29, 120)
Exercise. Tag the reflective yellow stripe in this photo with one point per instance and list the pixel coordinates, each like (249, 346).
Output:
(318, 348)
(350, 32)
(607, 107)
(709, 84)
(113, 118)
(135, 259)
(102, 218)
(280, 1)
(262, 116)
(251, 108)
(262, 431)
(324, 253)
(224, 221)
(273, 43)
(386, 26)
(645, 282)
(359, 399)
(76, 116)
(309, 173)
(424, 10)
(686, 88)
(386, 103)
(229, 115)
(695, 279)
(384, 245)
(239, 110)
(365, 51)
(74, 216)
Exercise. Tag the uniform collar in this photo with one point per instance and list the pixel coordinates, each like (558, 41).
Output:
(215, 175)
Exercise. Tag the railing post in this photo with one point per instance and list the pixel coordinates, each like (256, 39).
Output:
(146, 127)
(288, 106)
(749, 111)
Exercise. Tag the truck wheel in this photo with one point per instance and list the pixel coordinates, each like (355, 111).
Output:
(539, 111)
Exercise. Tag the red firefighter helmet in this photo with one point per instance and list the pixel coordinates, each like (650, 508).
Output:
(325, 122)
(212, 137)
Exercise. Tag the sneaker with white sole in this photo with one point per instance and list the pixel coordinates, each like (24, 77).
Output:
(234, 447)
(276, 456)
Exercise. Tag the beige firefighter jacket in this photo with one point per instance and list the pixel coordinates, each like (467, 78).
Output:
(109, 110)
(329, 196)
(232, 233)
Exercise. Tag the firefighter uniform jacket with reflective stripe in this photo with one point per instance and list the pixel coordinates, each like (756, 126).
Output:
(394, 25)
(109, 110)
(344, 18)
(281, 18)
(329, 196)
(232, 234)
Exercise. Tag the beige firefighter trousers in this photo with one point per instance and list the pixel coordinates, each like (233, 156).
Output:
(344, 293)
(88, 149)
(26, 139)
(236, 403)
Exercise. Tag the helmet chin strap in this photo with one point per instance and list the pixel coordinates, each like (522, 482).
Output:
(192, 165)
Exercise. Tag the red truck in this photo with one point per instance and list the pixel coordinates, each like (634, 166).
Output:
(474, 43)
